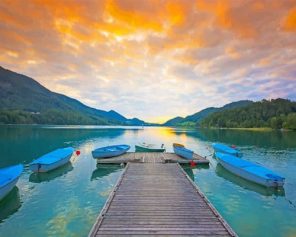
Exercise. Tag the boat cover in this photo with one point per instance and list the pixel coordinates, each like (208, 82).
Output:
(112, 148)
(249, 166)
(9, 174)
(54, 156)
(226, 149)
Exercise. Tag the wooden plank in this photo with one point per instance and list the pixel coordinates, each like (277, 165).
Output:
(194, 232)
(158, 235)
(109, 221)
(153, 157)
(104, 210)
(157, 199)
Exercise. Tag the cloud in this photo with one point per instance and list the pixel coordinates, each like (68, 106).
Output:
(157, 59)
(290, 20)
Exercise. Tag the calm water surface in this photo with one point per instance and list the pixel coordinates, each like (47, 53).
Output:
(66, 202)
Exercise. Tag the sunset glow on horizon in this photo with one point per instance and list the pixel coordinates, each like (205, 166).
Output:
(153, 59)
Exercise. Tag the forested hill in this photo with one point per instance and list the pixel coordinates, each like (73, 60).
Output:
(276, 113)
(24, 101)
(195, 119)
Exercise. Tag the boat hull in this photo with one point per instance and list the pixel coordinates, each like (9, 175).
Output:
(178, 144)
(47, 167)
(146, 149)
(7, 188)
(250, 176)
(226, 150)
(9, 177)
(183, 152)
(100, 155)
(110, 151)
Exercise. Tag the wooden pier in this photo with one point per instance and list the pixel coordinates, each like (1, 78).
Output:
(152, 157)
(158, 199)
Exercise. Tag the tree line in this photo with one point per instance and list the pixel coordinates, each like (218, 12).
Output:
(51, 116)
(275, 113)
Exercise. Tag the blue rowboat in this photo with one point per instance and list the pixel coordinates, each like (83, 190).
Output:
(250, 171)
(8, 178)
(110, 151)
(218, 147)
(52, 160)
(183, 152)
(143, 147)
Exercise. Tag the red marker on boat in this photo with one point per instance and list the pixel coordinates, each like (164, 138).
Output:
(77, 152)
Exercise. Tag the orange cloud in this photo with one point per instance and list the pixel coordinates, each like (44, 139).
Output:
(227, 17)
(134, 18)
(234, 54)
(290, 20)
(111, 44)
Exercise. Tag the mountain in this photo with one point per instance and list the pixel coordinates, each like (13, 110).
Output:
(196, 118)
(24, 100)
(173, 121)
(276, 113)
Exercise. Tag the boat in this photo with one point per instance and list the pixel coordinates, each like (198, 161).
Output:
(250, 171)
(178, 144)
(52, 160)
(8, 178)
(143, 147)
(218, 147)
(110, 151)
(247, 184)
(183, 152)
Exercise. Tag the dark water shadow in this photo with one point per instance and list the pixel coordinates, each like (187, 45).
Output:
(248, 185)
(189, 169)
(51, 175)
(104, 170)
(10, 204)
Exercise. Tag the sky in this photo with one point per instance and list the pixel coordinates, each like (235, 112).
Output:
(153, 59)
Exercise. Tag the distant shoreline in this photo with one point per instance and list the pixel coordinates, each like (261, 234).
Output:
(264, 129)
(253, 129)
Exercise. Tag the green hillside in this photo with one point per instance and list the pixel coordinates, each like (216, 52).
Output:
(277, 114)
(23, 100)
(195, 119)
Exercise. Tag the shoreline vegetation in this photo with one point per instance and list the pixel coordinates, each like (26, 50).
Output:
(275, 114)
(262, 129)
(255, 129)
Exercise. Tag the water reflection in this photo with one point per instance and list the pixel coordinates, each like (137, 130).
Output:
(51, 175)
(34, 141)
(268, 139)
(104, 170)
(10, 204)
(189, 169)
(222, 172)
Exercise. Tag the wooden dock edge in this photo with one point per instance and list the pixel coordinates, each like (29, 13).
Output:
(213, 209)
(105, 208)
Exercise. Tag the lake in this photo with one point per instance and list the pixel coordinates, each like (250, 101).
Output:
(67, 201)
